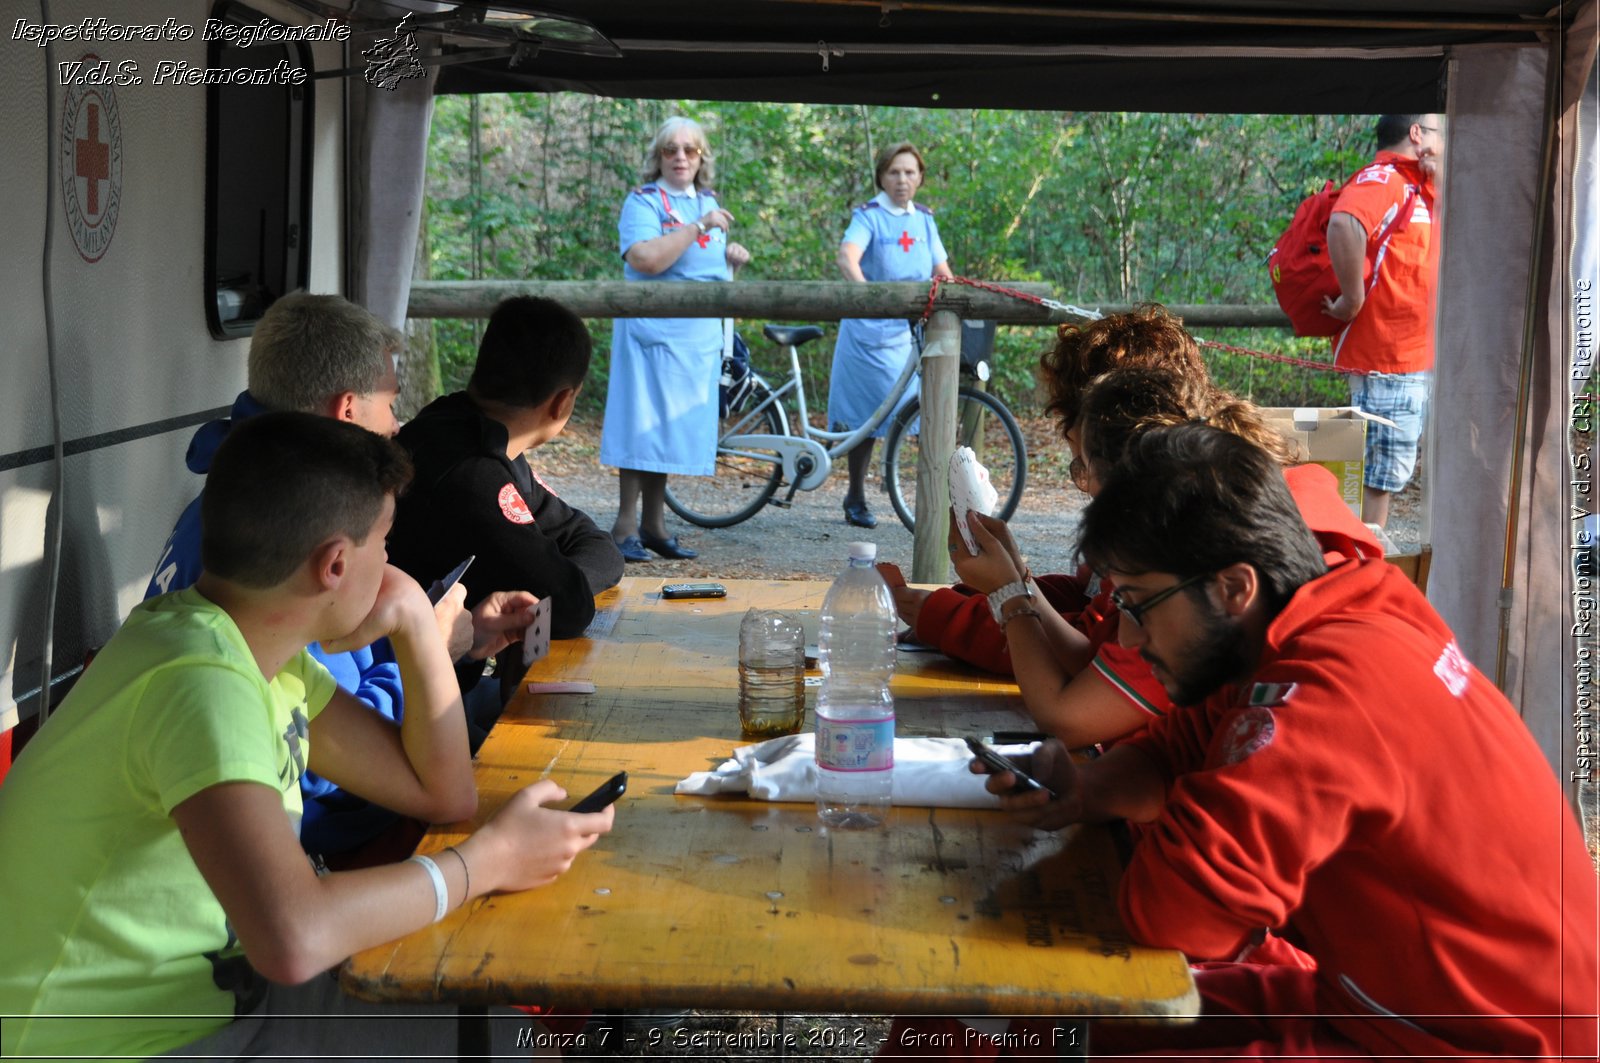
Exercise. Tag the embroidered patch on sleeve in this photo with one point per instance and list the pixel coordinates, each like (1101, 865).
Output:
(513, 507)
(544, 485)
(1270, 693)
(1374, 175)
(1453, 669)
(1247, 734)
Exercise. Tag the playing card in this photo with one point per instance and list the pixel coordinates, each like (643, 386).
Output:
(536, 639)
(970, 489)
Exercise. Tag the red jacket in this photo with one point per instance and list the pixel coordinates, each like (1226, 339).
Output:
(1373, 793)
(1393, 333)
(957, 620)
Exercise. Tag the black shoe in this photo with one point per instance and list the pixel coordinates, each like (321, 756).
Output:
(668, 548)
(858, 514)
(633, 549)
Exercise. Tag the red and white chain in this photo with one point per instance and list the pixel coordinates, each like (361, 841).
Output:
(1095, 315)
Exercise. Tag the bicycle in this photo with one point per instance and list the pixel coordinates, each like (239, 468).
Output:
(758, 451)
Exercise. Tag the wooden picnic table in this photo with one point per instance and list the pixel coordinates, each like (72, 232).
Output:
(730, 903)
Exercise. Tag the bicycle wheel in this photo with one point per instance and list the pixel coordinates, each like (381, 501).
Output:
(741, 483)
(982, 423)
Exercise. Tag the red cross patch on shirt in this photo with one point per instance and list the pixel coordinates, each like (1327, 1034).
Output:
(512, 506)
(905, 241)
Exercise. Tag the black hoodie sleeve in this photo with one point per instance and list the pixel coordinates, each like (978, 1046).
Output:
(538, 544)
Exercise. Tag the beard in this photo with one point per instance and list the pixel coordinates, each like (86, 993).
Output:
(1213, 656)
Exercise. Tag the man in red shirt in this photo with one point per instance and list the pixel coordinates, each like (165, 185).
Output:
(1385, 253)
(1340, 773)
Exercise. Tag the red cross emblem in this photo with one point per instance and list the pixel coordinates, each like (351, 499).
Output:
(90, 170)
(704, 238)
(93, 160)
(905, 241)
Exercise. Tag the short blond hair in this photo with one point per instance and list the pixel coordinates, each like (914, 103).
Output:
(652, 153)
(307, 348)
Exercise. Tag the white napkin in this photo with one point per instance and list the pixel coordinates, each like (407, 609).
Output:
(928, 773)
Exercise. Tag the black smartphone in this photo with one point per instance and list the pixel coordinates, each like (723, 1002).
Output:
(604, 794)
(441, 587)
(998, 763)
(693, 590)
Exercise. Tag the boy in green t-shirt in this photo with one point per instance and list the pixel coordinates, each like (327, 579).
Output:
(149, 832)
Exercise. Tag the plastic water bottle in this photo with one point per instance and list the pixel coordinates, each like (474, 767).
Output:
(855, 711)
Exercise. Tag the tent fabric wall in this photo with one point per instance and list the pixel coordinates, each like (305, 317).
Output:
(1571, 313)
(1492, 214)
(1490, 196)
(388, 167)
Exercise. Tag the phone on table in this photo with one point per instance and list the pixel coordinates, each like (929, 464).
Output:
(693, 590)
(604, 794)
(997, 763)
(441, 587)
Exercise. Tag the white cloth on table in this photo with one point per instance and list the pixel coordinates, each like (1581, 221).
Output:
(928, 773)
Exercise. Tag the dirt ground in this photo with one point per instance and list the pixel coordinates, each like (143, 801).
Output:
(808, 540)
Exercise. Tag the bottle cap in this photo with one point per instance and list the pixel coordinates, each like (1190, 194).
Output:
(863, 551)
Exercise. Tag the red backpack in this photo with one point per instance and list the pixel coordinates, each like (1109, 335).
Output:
(1302, 273)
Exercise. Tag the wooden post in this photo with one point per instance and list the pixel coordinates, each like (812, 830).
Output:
(941, 375)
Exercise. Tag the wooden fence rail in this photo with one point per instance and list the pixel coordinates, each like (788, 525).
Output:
(794, 301)
(810, 301)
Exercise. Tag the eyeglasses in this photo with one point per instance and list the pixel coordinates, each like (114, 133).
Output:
(1136, 611)
(688, 151)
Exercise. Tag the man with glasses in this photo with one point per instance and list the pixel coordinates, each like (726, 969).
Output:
(1339, 772)
(1385, 254)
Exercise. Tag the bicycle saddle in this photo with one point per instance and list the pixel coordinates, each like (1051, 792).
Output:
(791, 336)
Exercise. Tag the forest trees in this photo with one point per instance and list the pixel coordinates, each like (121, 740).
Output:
(1107, 208)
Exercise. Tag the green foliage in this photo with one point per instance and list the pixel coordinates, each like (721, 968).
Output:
(1109, 208)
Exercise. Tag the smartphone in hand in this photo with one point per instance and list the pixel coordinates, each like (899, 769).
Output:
(997, 763)
(604, 794)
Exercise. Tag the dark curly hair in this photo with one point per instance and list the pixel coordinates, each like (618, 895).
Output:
(1146, 335)
(1118, 407)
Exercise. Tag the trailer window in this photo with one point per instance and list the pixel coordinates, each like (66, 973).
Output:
(258, 161)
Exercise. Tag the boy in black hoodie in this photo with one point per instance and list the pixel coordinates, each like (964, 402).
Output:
(474, 493)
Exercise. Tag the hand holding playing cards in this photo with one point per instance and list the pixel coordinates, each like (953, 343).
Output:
(997, 562)
(455, 623)
(499, 620)
(970, 489)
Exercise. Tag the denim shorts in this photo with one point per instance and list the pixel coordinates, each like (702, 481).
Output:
(1391, 454)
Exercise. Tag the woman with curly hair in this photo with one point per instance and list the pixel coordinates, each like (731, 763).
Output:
(1058, 635)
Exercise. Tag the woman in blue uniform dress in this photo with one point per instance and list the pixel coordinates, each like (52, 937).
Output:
(890, 238)
(661, 398)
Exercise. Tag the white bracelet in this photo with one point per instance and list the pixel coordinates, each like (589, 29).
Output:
(441, 895)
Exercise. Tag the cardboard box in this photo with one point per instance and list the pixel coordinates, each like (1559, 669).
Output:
(1334, 438)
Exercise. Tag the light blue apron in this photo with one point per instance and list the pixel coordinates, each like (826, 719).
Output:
(661, 398)
(870, 352)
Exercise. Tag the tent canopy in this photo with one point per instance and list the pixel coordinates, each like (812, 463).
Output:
(1357, 57)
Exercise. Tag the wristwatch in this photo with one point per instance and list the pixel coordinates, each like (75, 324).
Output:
(1000, 596)
(700, 227)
